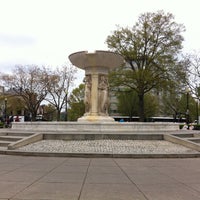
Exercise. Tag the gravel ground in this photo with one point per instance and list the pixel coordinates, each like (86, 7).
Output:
(107, 146)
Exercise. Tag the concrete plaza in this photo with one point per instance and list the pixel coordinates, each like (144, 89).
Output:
(54, 178)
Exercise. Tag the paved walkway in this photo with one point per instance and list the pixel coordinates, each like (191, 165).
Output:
(46, 178)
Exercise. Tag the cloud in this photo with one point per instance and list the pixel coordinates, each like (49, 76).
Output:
(13, 40)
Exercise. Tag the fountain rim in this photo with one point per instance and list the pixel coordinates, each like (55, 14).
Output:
(83, 58)
(96, 51)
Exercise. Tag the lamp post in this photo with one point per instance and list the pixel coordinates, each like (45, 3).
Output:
(197, 108)
(66, 108)
(5, 110)
(198, 98)
(187, 108)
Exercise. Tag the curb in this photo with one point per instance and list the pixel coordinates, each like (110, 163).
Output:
(98, 155)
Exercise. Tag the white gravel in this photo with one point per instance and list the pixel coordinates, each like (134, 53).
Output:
(106, 146)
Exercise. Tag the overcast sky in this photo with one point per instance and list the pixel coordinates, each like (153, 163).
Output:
(46, 32)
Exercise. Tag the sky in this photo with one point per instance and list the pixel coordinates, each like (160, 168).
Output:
(46, 32)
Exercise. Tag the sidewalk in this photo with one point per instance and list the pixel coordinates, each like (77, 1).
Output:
(51, 178)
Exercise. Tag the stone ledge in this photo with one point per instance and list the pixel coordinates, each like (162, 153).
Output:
(25, 141)
(97, 127)
(182, 141)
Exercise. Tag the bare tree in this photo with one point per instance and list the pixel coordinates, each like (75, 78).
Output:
(29, 82)
(192, 61)
(60, 82)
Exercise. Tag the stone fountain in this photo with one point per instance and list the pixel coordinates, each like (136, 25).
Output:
(96, 118)
(95, 124)
(96, 66)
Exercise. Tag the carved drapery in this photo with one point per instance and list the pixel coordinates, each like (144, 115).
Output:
(103, 94)
(87, 98)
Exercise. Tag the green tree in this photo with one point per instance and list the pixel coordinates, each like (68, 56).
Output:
(150, 48)
(125, 103)
(171, 104)
(128, 104)
(191, 105)
(150, 105)
(76, 103)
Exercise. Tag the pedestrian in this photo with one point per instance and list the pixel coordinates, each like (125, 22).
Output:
(17, 119)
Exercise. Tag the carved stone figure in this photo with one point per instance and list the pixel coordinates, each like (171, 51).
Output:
(87, 99)
(103, 94)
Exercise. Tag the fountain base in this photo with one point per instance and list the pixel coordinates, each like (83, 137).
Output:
(96, 119)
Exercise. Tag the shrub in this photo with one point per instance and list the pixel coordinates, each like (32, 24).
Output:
(196, 127)
(1, 124)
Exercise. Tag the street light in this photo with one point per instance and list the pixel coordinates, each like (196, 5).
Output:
(66, 108)
(198, 97)
(5, 110)
(197, 109)
(187, 108)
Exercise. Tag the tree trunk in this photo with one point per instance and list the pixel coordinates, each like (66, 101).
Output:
(33, 116)
(58, 115)
(141, 107)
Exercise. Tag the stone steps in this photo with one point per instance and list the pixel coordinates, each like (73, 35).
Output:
(193, 137)
(4, 143)
(15, 133)
(8, 137)
(11, 138)
(190, 139)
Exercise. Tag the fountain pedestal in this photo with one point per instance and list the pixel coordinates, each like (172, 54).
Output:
(96, 66)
